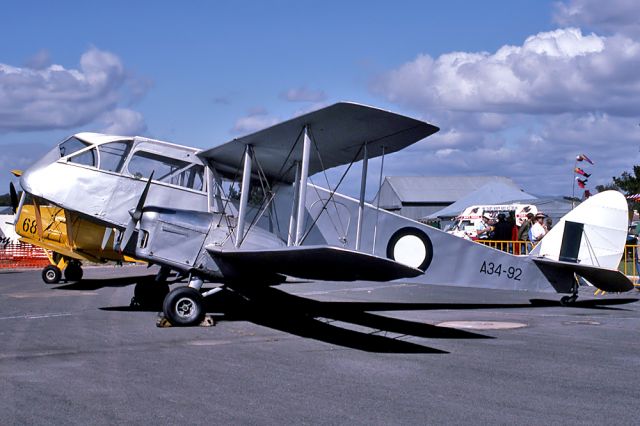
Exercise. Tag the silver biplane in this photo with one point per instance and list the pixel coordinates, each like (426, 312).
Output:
(180, 208)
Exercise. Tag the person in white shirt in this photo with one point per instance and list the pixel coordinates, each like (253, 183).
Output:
(483, 228)
(537, 229)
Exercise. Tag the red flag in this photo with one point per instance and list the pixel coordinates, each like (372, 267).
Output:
(581, 182)
(582, 157)
(587, 194)
(579, 171)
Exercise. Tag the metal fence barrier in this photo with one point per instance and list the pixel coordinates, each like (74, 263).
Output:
(629, 264)
(22, 255)
(513, 247)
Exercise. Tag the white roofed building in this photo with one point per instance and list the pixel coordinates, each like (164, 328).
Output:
(418, 196)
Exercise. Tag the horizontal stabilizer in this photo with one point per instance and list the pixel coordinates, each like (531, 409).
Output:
(314, 262)
(338, 132)
(610, 280)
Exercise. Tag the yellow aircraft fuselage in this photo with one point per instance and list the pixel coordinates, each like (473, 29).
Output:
(66, 237)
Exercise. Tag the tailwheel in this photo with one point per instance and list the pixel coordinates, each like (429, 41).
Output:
(568, 300)
(184, 306)
(51, 274)
(73, 272)
(149, 294)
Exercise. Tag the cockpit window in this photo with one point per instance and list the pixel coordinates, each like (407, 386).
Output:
(71, 145)
(166, 169)
(113, 154)
(87, 158)
(192, 177)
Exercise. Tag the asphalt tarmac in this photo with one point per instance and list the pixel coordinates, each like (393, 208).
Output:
(316, 353)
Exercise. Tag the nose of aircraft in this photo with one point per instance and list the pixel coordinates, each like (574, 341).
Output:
(34, 179)
(27, 180)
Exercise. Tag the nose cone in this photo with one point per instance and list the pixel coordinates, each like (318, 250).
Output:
(29, 181)
(33, 180)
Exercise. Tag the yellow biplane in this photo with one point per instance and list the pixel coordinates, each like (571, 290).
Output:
(67, 238)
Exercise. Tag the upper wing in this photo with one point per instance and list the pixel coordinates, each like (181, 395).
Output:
(314, 262)
(339, 131)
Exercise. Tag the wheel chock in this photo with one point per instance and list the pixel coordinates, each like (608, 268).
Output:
(162, 322)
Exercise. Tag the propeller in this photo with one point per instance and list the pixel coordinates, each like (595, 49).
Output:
(136, 214)
(14, 198)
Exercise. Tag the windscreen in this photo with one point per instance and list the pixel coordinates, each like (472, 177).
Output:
(70, 146)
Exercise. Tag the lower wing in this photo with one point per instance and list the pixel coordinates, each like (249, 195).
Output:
(314, 262)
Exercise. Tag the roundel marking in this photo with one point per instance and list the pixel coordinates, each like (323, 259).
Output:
(411, 247)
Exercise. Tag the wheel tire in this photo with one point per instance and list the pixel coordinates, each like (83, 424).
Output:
(150, 294)
(51, 274)
(184, 307)
(73, 272)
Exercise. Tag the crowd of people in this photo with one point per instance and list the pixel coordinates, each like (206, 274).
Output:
(532, 230)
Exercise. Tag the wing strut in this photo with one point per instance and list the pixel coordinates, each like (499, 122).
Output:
(244, 194)
(363, 187)
(292, 218)
(302, 186)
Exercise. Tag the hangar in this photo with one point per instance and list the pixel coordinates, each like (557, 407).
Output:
(418, 196)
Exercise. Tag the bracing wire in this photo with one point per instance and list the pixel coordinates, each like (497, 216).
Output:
(375, 227)
(333, 192)
(326, 178)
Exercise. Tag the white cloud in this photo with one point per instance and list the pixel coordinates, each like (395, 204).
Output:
(525, 111)
(257, 119)
(612, 16)
(123, 122)
(540, 158)
(557, 71)
(303, 94)
(54, 97)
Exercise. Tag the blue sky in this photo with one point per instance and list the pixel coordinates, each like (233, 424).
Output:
(518, 88)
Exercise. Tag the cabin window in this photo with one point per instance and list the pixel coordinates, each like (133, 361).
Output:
(167, 169)
(87, 158)
(192, 177)
(71, 145)
(113, 154)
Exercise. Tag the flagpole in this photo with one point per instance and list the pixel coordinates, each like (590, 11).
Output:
(573, 186)
(581, 182)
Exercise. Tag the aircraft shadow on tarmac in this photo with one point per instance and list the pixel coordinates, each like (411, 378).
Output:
(96, 284)
(603, 304)
(297, 315)
(317, 320)
(276, 309)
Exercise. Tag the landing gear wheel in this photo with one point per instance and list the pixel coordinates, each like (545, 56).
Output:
(73, 272)
(51, 274)
(149, 294)
(184, 307)
(568, 300)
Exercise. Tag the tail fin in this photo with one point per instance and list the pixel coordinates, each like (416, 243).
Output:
(593, 234)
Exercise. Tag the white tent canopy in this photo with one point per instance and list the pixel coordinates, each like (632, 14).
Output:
(490, 193)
